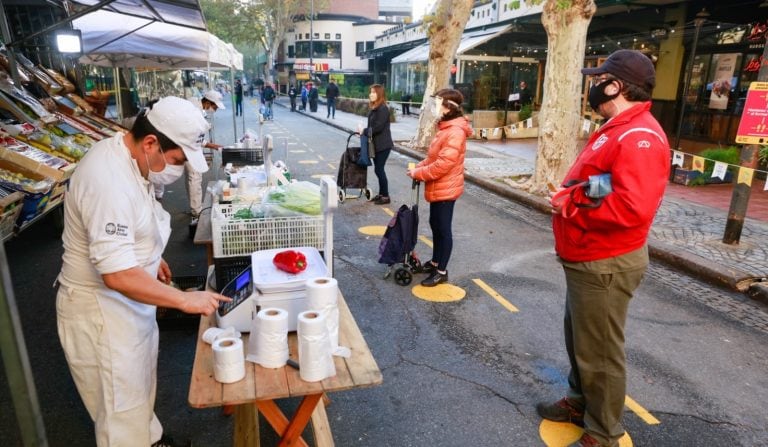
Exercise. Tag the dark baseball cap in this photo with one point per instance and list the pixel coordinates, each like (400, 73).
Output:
(628, 65)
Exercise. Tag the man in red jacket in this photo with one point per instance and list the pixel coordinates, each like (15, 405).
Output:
(600, 239)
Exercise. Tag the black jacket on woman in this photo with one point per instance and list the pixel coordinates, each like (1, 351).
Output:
(378, 124)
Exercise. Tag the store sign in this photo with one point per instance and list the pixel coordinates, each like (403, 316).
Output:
(753, 128)
(309, 67)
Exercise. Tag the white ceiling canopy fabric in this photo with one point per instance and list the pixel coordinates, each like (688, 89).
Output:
(116, 40)
(469, 40)
(185, 13)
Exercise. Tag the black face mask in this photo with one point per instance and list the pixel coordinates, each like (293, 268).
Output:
(597, 95)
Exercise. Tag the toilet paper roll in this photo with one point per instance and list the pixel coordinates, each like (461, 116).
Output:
(323, 296)
(315, 356)
(228, 360)
(212, 333)
(268, 345)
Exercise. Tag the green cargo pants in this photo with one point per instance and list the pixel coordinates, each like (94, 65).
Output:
(596, 306)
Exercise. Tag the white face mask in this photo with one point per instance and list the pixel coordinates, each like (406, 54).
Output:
(168, 175)
(438, 106)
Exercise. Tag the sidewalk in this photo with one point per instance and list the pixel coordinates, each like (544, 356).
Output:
(688, 228)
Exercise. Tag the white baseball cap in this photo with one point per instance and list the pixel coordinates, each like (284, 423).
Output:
(216, 98)
(182, 122)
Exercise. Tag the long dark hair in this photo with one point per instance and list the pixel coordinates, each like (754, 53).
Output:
(381, 96)
(452, 100)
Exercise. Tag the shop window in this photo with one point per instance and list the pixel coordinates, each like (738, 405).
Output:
(327, 36)
(291, 51)
(338, 36)
(317, 35)
(359, 48)
(306, 36)
(369, 45)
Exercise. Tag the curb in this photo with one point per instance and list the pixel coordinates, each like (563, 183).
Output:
(668, 254)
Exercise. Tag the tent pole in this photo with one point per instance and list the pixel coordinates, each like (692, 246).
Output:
(7, 38)
(232, 83)
(118, 102)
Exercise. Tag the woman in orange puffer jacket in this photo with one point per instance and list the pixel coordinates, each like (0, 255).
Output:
(443, 175)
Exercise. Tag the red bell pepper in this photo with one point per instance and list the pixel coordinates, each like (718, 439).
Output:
(290, 261)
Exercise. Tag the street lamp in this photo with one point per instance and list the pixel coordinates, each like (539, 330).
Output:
(701, 17)
(311, 38)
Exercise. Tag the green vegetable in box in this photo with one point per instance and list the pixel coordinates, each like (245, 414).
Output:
(302, 197)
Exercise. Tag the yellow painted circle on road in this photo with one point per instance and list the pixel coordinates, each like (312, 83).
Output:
(373, 230)
(562, 434)
(441, 293)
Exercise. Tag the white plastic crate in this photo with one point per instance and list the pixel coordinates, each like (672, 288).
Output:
(239, 237)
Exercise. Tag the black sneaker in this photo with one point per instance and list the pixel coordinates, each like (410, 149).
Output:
(435, 278)
(428, 267)
(167, 441)
(382, 200)
(564, 410)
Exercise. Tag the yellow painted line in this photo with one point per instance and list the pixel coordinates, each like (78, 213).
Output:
(332, 166)
(441, 293)
(388, 211)
(373, 230)
(320, 157)
(297, 151)
(319, 175)
(495, 295)
(307, 162)
(644, 414)
(558, 434)
(426, 241)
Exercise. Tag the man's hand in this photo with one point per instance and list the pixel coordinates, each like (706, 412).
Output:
(213, 146)
(203, 302)
(556, 200)
(164, 272)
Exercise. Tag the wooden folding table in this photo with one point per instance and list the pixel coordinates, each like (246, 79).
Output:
(261, 387)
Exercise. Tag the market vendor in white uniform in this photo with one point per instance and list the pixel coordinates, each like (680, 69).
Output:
(113, 275)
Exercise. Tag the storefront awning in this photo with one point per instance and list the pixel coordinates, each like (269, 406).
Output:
(186, 13)
(469, 40)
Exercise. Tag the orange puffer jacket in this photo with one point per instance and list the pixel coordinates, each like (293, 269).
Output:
(443, 170)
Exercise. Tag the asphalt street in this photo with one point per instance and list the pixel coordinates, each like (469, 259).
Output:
(465, 371)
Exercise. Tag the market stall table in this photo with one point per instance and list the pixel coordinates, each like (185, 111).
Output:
(261, 387)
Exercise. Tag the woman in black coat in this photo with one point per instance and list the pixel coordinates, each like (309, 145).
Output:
(378, 130)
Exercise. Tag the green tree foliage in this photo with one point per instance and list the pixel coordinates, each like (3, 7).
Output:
(233, 21)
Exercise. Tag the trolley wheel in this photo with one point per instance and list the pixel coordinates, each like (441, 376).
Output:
(368, 193)
(403, 276)
(342, 196)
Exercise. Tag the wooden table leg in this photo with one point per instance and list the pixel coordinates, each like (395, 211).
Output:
(289, 430)
(246, 432)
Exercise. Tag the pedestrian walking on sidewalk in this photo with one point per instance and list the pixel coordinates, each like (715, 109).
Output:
(380, 134)
(331, 93)
(313, 95)
(601, 241)
(238, 97)
(292, 97)
(304, 96)
(442, 172)
(113, 276)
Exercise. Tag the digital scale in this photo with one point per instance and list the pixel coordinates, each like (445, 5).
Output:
(247, 301)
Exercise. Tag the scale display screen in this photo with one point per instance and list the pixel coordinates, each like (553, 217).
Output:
(239, 289)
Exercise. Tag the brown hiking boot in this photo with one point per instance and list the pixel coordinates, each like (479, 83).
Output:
(564, 410)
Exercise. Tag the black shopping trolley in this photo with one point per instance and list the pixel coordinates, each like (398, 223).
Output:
(396, 248)
(352, 175)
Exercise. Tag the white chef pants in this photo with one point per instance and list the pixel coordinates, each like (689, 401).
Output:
(194, 189)
(86, 346)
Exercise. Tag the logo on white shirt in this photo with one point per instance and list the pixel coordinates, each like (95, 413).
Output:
(116, 229)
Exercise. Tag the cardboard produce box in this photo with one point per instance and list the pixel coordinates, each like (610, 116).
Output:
(37, 161)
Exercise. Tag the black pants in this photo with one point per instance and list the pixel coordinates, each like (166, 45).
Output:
(440, 219)
(238, 105)
(406, 109)
(293, 103)
(378, 168)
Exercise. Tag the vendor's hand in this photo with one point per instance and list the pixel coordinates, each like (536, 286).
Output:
(202, 302)
(409, 172)
(164, 272)
(213, 146)
(557, 206)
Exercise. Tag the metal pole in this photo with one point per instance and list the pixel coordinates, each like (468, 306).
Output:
(16, 361)
(7, 38)
(118, 99)
(701, 17)
(311, 39)
(234, 117)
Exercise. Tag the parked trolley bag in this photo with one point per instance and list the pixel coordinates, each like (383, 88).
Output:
(365, 158)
